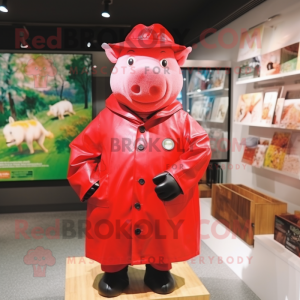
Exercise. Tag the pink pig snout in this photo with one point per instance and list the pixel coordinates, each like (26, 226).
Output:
(147, 84)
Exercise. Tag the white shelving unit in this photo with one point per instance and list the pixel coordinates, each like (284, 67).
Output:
(208, 121)
(273, 273)
(279, 250)
(296, 176)
(197, 93)
(270, 77)
(267, 126)
(279, 172)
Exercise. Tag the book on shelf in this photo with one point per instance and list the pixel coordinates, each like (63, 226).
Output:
(194, 83)
(276, 152)
(290, 116)
(218, 79)
(268, 109)
(249, 68)
(278, 111)
(196, 110)
(254, 152)
(259, 155)
(220, 108)
(248, 155)
(292, 159)
(208, 107)
(270, 63)
(289, 58)
(216, 137)
(249, 108)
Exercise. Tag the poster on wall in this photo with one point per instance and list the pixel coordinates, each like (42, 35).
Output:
(45, 102)
(251, 43)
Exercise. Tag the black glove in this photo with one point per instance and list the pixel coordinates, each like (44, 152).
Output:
(91, 191)
(167, 188)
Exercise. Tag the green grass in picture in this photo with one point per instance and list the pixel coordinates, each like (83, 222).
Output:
(57, 158)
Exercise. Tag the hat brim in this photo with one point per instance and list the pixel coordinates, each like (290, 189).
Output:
(140, 44)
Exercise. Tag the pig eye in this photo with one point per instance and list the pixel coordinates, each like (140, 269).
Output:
(130, 61)
(164, 63)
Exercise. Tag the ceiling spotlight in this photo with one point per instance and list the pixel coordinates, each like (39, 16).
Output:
(23, 36)
(3, 6)
(105, 12)
(89, 44)
(21, 45)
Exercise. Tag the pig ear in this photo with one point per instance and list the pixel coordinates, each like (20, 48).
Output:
(11, 120)
(110, 53)
(181, 56)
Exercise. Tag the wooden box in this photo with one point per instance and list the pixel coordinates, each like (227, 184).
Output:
(245, 211)
(84, 274)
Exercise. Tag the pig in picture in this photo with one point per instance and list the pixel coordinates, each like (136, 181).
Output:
(60, 109)
(18, 132)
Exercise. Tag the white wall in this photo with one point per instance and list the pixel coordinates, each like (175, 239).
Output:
(280, 186)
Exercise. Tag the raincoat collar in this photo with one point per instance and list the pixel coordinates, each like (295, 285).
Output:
(122, 110)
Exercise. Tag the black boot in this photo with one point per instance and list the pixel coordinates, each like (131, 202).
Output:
(113, 284)
(160, 282)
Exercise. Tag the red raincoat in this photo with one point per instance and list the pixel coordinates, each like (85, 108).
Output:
(126, 222)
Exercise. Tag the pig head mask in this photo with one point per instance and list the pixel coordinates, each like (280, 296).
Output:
(147, 76)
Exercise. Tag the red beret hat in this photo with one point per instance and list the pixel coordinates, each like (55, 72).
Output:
(154, 36)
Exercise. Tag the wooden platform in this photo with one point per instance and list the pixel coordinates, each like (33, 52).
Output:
(83, 276)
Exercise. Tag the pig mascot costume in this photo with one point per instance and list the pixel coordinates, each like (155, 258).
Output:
(138, 164)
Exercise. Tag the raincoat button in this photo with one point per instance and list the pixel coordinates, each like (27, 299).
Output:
(141, 147)
(141, 181)
(137, 206)
(137, 231)
(142, 129)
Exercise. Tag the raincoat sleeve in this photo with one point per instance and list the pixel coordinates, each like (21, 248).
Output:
(84, 159)
(195, 158)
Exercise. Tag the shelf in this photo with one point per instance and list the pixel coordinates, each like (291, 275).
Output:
(279, 250)
(191, 94)
(277, 171)
(209, 121)
(280, 172)
(270, 77)
(266, 125)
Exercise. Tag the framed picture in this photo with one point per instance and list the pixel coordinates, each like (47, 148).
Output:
(291, 113)
(269, 104)
(46, 105)
(270, 63)
(249, 108)
(289, 58)
(250, 68)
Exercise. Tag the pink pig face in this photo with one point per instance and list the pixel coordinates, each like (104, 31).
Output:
(146, 80)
